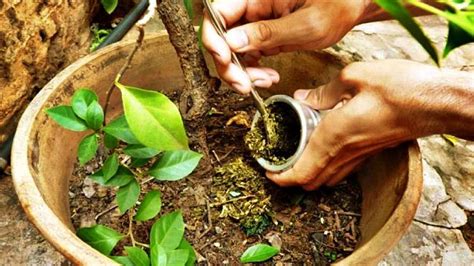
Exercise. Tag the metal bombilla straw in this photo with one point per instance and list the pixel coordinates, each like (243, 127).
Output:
(221, 30)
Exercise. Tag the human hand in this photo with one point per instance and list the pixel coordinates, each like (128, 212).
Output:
(268, 27)
(378, 105)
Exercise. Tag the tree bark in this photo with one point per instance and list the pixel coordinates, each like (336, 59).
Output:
(198, 82)
(37, 39)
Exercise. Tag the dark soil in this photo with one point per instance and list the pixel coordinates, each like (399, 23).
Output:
(311, 227)
(281, 141)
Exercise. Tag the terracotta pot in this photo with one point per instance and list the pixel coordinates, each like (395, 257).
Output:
(44, 154)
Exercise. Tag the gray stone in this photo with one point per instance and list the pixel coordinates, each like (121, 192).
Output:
(435, 205)
(429, 245)
(455, 164)
(20, 242)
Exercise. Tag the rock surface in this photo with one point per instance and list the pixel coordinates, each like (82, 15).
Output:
(457, 173)
(429, 245)
(435, 205)
(37, 39)
(20, 242)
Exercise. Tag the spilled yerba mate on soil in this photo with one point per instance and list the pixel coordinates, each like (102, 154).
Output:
(241, 195)
(282, 141)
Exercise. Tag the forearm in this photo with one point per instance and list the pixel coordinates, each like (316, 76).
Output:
(443, 105)
(375, 13)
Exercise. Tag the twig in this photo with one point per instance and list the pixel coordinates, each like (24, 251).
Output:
(231, 200)
(113, 207)
(125, 66)
(209, 221)
(217, 157)
(207, 244)
(348, 213)
(228, 153)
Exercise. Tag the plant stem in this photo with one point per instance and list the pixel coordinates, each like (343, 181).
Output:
(130, 227)
(198, 82)
(124, 68)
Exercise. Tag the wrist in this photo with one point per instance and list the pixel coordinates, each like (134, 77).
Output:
(458, 102)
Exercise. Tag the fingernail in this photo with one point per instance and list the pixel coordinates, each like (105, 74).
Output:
(301, 95)
(237, 38)
(260, 83)
(239, 87)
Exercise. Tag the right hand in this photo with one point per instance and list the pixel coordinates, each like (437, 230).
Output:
(268, 27)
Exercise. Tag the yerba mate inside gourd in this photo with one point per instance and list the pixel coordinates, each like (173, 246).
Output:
(284, 138)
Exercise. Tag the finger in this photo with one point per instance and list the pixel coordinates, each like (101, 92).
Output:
(216, 46)
(317, 154)
(259, 77)
(325, 96)
(345, 171)
(269, 34)
(231, 11)
(235, 76)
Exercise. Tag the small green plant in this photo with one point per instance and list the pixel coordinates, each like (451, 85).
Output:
(258, 253)
(99, 36)
(459, 13)
(152, 134)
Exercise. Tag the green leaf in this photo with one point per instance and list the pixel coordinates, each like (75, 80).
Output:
(126, 261)
(398, 11)
(150, 206)
(100, 237)
(456, 37)
(122, 260)
(98, 177)
(450, 138)
(177, 257)
(94, 115)
(153, 118)
(158, 255)
(87, 148)
(81, 99)
(138, 256)
(188, 4)
(109, 5)
(137, 162)
(65, 117)
(140, 151)
(110, 166)
(121, 178)
(110, 141)
(168, 231)
(258, 253)
(192, 254)
(127, 196)
(174, 165)
(119, 128)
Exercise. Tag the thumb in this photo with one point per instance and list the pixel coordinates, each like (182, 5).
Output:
(265, 34)
(326, 96)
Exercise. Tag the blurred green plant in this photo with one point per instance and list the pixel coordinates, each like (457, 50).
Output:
(458, 13)
(99, 36)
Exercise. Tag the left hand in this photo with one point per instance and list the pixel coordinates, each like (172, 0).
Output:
(376, 105)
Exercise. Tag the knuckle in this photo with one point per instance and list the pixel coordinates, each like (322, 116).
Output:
(349, 72)
(264, 32)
